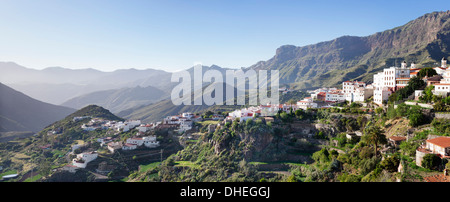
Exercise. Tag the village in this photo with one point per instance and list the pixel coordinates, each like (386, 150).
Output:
(385, 83)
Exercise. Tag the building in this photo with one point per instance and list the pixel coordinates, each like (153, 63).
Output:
(84, 158)
(306, 103)
(356, 91)
(387, 78)
(439, 146)
(150, 142)
(113, 146)
(443, 87)
(441, 69)
(388, 81)
(335, 96)
(185, 124)
(395, 141)
(246, 113)
(128, 146)
(134, 142)
(145, 127)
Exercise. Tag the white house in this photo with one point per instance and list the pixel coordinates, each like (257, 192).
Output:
(244, 114)
(356, 91)
(381, 94)
(150, 142)
(335, 96)
(443, 87)
(134, 142)
(84, 158)
(128, 146)
(306, 103)
(439, 145)
(441, 70)
(388, 81)
(113, 146)
(185, 124)
(187, 115)
(145, 127)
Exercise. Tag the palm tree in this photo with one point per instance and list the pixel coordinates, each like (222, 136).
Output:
(374, 135)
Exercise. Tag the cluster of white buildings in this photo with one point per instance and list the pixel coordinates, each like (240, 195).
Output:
(356, 91)
(443, 86)
(183, 121)
(394, 78)
(245, 113)
(390, 80)
(270, 109)
(101, 124)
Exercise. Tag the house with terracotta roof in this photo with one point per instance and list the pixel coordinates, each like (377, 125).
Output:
(396, 140)
(439, 146)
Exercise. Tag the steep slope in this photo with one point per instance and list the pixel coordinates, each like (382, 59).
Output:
(423, 41)
(19, 112)
(118, 99)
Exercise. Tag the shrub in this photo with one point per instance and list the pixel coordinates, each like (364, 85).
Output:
(321, 156)
(431, 161)
(391, 163)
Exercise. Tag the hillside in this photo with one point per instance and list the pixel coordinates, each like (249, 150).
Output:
(118, 99)
(424, 41)
(157, 111)
(19, 112)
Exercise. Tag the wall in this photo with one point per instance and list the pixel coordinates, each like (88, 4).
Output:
(419, 157)
(442, 115)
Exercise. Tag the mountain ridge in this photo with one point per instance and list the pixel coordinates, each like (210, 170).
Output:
(19, 112)
(423, 41)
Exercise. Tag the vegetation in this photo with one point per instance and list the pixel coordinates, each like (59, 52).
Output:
(414, 83)
(427, 71)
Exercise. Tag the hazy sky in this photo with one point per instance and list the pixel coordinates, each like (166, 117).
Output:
(173, 35)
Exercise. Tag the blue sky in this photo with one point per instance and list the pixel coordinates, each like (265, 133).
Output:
(175, 34)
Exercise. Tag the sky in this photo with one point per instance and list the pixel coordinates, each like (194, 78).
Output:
(174, 35)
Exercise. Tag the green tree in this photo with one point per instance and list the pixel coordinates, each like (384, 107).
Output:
(416, 117)
(427, 71)
(409, 147)
(430, 161)
(402, 109)
(300, 114)
(379, 110)
(391, 163)
(427, 94)
(321, 156)
(375, 136)
(285, 117)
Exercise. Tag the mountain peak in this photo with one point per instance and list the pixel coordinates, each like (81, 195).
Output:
(424, 40)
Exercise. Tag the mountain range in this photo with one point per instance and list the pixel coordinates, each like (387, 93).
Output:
(423, 41)
(57, 85)
(117, 100)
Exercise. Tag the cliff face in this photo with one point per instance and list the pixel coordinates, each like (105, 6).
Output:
(423, 41)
